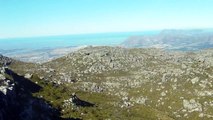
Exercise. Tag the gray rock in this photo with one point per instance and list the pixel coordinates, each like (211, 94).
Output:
(194, 80)
(191, 105)
(5, 60)
(2, 77)
(28, 76)
(163, 94)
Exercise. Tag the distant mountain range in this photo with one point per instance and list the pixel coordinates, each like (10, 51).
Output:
(185, 40)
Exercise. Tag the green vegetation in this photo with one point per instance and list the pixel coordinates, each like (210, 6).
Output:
(126, 84)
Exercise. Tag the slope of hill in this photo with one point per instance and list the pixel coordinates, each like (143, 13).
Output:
(120, 83)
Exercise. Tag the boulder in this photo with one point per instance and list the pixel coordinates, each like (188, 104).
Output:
(194, 80)
(28, 76)
(191, 105)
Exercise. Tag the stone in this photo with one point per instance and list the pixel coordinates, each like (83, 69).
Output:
(194, 80)
(3, 89)
(41, 77)
(141, 100)
(28, 76)
(183, 66)
(6, 85)
(163, 94)
(201, 115)
(2, 77)
(2, 70)
(191, 105)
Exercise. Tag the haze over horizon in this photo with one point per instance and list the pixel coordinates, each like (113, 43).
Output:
(22, 18)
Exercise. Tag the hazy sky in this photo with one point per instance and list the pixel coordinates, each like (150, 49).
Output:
(21, 18)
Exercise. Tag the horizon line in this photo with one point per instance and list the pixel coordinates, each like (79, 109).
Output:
(91, 33)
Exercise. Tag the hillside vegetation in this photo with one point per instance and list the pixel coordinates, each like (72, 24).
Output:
(119, 83)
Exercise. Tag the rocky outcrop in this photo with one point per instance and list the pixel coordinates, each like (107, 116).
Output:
(5, 60)
(176, 83)
(77, 102)
(152, 77)
(192, 105)
(17, 103)
(28, 76)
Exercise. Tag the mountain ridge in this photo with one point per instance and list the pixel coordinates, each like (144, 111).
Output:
(184, 40)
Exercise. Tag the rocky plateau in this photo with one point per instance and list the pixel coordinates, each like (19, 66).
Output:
(110, 83)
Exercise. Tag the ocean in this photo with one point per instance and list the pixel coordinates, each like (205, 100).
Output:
(42, 49)
(50, 42)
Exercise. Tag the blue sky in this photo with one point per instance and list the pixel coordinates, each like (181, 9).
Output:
(24, 18)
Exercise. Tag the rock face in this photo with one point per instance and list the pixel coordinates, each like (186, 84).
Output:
(75, 101)
(5, 60)
(17, 103)
(6, 85)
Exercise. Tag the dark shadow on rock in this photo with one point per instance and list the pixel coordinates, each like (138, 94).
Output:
(19, 103)
(78, 102)
(26, 84)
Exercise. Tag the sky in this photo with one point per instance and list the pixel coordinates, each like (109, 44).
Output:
(26, 18)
